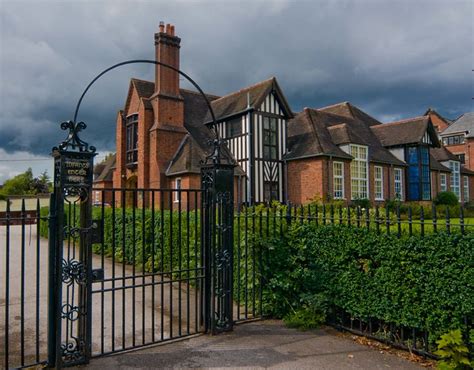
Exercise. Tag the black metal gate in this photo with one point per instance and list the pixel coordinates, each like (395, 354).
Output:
(139, 267)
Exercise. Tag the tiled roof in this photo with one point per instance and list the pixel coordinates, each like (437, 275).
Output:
(346, 109)
(103, 171)
(318, 133)
(465, 123)
(408, 131)
(249, 97)
(436, 166)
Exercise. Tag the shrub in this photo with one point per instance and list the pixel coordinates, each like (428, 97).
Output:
(446, 198)
(452, 351)
(412, 281)
(362, 203)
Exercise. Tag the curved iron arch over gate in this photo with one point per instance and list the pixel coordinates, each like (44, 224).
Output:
(71, 274)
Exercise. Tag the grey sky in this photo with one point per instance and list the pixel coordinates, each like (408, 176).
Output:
(393, 59)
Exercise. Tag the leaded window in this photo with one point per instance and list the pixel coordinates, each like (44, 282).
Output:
(233, 127)
(443, 182)
(338, 180)
(270, 142)
(419, 184)
(466, 188)
(398, 174)
(455, 167)
(270, 191)
(378, 182)
(359, 171)
(131, 125)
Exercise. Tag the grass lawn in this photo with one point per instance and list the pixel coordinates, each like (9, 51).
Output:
(30, 204)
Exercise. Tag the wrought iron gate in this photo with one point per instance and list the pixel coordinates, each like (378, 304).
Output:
(162, 262)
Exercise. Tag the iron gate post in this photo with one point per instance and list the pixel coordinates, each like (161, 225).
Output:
(217, 183)
(69, 320)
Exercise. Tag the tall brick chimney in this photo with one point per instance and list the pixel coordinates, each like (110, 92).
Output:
(167, 51)
(168, 107)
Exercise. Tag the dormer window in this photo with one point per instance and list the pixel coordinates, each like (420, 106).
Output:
(131, 124)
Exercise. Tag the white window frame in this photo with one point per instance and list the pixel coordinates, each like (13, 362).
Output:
(378, 181)
(443, 182)
(341, 177)
(455, 167)
(465, 188)
(177, 186)
(356, 165)
(398, 172)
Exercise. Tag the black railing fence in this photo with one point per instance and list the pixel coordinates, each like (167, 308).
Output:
(148, 267)
(23, 284)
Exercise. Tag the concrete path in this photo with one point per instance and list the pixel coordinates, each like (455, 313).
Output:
(264, 344)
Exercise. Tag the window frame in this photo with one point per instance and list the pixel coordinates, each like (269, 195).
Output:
(131, 139)
(455, 183)
(378, 181)
(177, 194)
(398, 182)
(465, 188)
(443, 182)
(339, 177)
(357, 161)
(271, 132)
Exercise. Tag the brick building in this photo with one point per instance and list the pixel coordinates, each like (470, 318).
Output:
(335, 152)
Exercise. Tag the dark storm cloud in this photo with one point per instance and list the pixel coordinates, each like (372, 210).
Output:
(393, 59)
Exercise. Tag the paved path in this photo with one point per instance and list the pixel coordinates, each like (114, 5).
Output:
(265, 344)
(129, 323)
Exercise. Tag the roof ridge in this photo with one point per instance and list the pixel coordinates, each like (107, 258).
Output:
(403, 120)
(139, 79)
(308, 112)
(247, 88)
(332, 105)
(198, 93)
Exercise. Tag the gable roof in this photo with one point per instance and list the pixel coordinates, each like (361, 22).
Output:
(250, 97)
(104, 170)
(435, 165)
(465, 123)
(346, 109)
(309, 137)
(318, 133)
(408, 131)
(432, 111)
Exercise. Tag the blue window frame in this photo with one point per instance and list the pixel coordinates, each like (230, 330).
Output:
(419, 184)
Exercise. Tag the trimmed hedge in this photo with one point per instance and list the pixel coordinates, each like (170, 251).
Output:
(425, 283)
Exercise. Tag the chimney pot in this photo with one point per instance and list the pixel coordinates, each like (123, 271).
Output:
(172, 30)
(162, 26)
(168, 27)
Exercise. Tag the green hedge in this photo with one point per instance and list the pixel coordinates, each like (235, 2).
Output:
(425, 283)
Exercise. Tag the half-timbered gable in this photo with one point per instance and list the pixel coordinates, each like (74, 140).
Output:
(253, 123)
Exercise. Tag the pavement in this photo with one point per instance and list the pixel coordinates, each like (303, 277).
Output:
(258, 345)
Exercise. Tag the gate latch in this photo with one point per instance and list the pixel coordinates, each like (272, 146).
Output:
(97, 275)
(97, 231)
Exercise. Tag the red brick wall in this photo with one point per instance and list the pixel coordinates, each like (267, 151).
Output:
(439, 124)
(307, 179)
(119, 172)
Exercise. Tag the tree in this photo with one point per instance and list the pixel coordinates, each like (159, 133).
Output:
(26, 184)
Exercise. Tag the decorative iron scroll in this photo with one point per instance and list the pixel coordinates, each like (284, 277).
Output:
(72, 141)
(71, 246)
